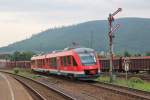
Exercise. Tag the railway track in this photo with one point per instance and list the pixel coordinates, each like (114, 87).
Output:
(93, 91)
(125, 92)
(35, 95)
(41, 91)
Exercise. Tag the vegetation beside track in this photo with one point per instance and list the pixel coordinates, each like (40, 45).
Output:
(27, 73)
(24, 72)
(133, 82)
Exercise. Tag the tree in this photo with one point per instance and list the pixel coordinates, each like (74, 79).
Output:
(27, 55)
(147, 53)
(127, 54)
(20, 56)
(137, 55)
(16, 56)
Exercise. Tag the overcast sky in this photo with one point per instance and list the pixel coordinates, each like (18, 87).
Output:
(19, 19)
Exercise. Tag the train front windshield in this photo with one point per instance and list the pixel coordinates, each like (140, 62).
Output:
(87, 59)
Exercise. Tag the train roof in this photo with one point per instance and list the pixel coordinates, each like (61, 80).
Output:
(82, 50)
(38, 57)
(69, 51)
(66, 51)
(62, 53)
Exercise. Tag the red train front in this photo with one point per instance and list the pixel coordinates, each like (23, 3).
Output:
(81, 63)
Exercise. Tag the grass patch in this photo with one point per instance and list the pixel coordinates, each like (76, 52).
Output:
(134, 82)
(16, 70)
(25, 72)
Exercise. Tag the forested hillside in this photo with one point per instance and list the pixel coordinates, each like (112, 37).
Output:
(133, 35)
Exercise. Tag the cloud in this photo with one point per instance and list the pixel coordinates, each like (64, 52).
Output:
(37, 5)
(70, 5)
(133, 4)
(43, 11)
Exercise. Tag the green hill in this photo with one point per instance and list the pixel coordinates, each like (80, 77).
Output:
(133, 35)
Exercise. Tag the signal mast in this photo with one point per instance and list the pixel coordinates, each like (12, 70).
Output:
(111, 36)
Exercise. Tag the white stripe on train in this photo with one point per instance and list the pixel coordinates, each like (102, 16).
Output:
(61, 71)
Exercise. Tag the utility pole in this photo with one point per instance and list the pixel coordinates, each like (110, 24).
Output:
(111, 36)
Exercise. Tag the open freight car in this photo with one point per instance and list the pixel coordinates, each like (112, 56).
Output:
(136, 64)
(12, 64)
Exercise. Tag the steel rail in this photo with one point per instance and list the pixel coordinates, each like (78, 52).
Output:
(31, 89)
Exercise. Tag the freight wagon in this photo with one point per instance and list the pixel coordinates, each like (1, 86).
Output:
(136, 64)
(12, 64)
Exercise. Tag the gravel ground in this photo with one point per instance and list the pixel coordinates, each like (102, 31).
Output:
(83, 91)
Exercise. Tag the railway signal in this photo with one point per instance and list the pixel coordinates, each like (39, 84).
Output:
(126, 68)
(111, 36)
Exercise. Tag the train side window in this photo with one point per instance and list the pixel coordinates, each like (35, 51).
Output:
(33, 62)
(61, 61)
(53, 62)
(49, 62)
(46, 62)
(65, 61)
(69, 60)
(74, 62)
(40, 62)
(43, 62)
(36, 62)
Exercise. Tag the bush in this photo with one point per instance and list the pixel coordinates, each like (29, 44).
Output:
(136, 80)
(16, 70)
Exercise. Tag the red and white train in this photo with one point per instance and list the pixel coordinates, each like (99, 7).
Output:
(81, 63)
